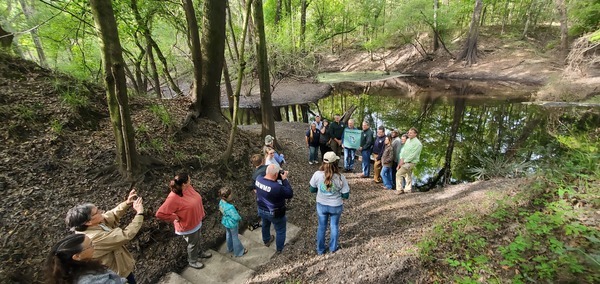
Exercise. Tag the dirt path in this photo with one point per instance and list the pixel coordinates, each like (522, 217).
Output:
(378, 231)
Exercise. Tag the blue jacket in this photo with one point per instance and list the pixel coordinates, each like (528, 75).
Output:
(271, 195)
(231, 217)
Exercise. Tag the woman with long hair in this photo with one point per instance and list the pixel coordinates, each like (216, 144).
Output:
(331, 187)
(70, 261)
(184, 208)
(312, 141)
(387, 161)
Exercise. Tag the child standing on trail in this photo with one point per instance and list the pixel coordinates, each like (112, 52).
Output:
(231, 220)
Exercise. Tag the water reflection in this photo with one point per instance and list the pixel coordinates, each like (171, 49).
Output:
(457, 121)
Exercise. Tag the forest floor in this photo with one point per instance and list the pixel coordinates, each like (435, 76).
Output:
(57, 146)
(379, 230)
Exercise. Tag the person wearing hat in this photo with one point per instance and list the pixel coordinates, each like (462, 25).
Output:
(269, 143)
(331, 187)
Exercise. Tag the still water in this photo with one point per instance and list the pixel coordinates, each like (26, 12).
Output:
(462, 125)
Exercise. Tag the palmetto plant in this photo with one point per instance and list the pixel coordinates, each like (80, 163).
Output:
(499, 166)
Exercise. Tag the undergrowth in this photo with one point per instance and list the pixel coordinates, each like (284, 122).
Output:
(547, 233)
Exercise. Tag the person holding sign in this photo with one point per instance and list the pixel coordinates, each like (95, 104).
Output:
(350, 142)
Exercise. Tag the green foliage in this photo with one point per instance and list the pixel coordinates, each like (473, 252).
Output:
(161, 112)
(56, 126)
(498, 166)
(25, 112)
(584, 16)
(549, 240)
(74, 100)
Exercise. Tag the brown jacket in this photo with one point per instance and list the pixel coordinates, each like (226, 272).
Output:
(109, 246)
(388, 156)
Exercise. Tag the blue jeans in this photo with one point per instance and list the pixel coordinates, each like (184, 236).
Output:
(366, 162)
(325, 212)
(233, 241)
(280, 225)
(349, 158)
(386, 176)
(313, 154)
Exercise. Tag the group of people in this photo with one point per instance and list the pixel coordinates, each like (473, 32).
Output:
(273, 190)
(394, 155)
(96, 252)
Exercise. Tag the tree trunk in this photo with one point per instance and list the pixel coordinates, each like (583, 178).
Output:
(436, 43)
(459, 112)
(295, 112)
(228, 88)
(304, 5)
(154, 75)
(194, 42)
(213, 55)
(29, 14)
(277, 114)
(266, 105)
(469, 51)
(238, 87)
(304, 109)
(6, 39)
(564, 29)
(287, 113)
(277, 12)
(116, 87)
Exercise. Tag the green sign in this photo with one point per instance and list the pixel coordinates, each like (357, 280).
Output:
(352, 138)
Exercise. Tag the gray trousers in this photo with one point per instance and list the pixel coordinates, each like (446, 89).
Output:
(193, 245)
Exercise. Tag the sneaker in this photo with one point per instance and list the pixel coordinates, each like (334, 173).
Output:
(399, 191)
(205, 255)
(310, 162)
(196, 264)
(270, 241)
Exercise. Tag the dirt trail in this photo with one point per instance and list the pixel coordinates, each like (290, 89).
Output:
(378, 230)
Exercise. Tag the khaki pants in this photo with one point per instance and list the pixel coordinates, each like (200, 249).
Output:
(377, 170)
(406, 173)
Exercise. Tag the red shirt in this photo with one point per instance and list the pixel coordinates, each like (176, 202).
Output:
(186, 212)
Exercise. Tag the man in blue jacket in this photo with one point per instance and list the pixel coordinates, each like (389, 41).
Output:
(272, 190)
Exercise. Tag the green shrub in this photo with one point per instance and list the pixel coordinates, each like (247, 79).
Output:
(74, 100)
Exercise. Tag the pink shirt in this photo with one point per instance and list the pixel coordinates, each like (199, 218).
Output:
(186, 212)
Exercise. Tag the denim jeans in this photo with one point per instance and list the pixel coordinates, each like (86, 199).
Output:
(349, 158)
(331, 214)
(280, 225)
(386, 176)
(313, 154)
(233, 241)
(366, 162)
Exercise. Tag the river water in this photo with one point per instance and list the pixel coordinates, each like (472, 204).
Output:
(469, 129)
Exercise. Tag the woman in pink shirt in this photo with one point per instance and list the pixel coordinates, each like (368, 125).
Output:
(184, 208)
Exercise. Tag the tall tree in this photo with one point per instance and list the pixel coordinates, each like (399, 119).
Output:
(240, 77)
(29, 15)
(116, 87)
(469, 51)
(564, 29)
(143, 25)
(436, 42)
(304, 6)
(194, 43)
(266, 105)
(213, 55)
